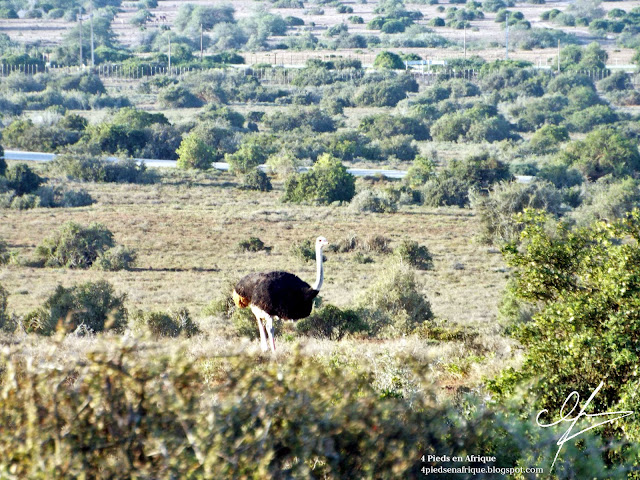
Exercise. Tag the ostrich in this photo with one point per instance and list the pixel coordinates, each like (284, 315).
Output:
(278, 294)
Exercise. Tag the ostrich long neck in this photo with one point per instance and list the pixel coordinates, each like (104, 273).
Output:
(319, 269)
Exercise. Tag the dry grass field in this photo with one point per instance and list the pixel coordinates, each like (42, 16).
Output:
(186, 229)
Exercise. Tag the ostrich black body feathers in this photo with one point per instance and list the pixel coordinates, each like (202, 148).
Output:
(280, 294)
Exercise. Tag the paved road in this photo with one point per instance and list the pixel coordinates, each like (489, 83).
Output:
(358, 172)
(150, 162)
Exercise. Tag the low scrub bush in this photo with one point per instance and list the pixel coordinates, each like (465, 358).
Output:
(88, 168)
(445, 191)
(394, 306)
(373, 201)
(76, 246)
(22, 179)
(602, 152)
(5, 256)
(5, 318)
(328, 181)
(332, 323)
(497, 209)
(195, 153)
(418, 256)
(93, 306)
(253, 244)
(256, 179)
(161, 324)
(178, 97)
(25, 202)
(304, 250)
(115, 259)
(371, 244)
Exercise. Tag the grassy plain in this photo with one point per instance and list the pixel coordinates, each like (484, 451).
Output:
(186, 229)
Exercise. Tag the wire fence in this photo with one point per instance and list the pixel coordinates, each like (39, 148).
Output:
(429, 77)
(281, 75)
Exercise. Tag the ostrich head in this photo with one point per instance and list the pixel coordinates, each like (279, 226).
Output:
(321, 242)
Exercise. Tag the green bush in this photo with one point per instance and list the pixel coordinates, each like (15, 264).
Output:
(418, 256)
(604, 151)
(480, 170)
(587, 119)
(388, 60)
(606, 200)
(22, 179)
(497, 210)
(304, 250)
(115, 259)
(178, 97)
(246, 158)
(616, 82)
(5, 318)
(25, 202)
(93, 169)
(160, 324)
(3, 163)
(75, 246)
(394, 306)
(584, 283)
(332, 323)
(253, 244)
(194, 153)
(312, 119)
(256, 179)
(401, 147)
(92, 305)
(373, 201)
(547, 138)
(423, 169)
(328, 181)
(5, 256)
(445, 191)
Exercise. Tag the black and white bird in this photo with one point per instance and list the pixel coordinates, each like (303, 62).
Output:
(278, 294)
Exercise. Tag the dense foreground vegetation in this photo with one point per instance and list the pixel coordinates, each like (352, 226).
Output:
(129, 409)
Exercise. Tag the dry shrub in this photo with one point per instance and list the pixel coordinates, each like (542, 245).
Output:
(161, 324)
(94, 306)
(394, 306)
(332, 323)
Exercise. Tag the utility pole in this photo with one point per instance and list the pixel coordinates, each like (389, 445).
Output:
(201, 36)
(558, 55)
(465, 41)
(506, 39)
(93, 63)
(80, 21)
(169, 54)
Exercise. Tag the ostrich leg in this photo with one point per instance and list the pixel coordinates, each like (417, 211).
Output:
(270, 332)
(263, 338)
